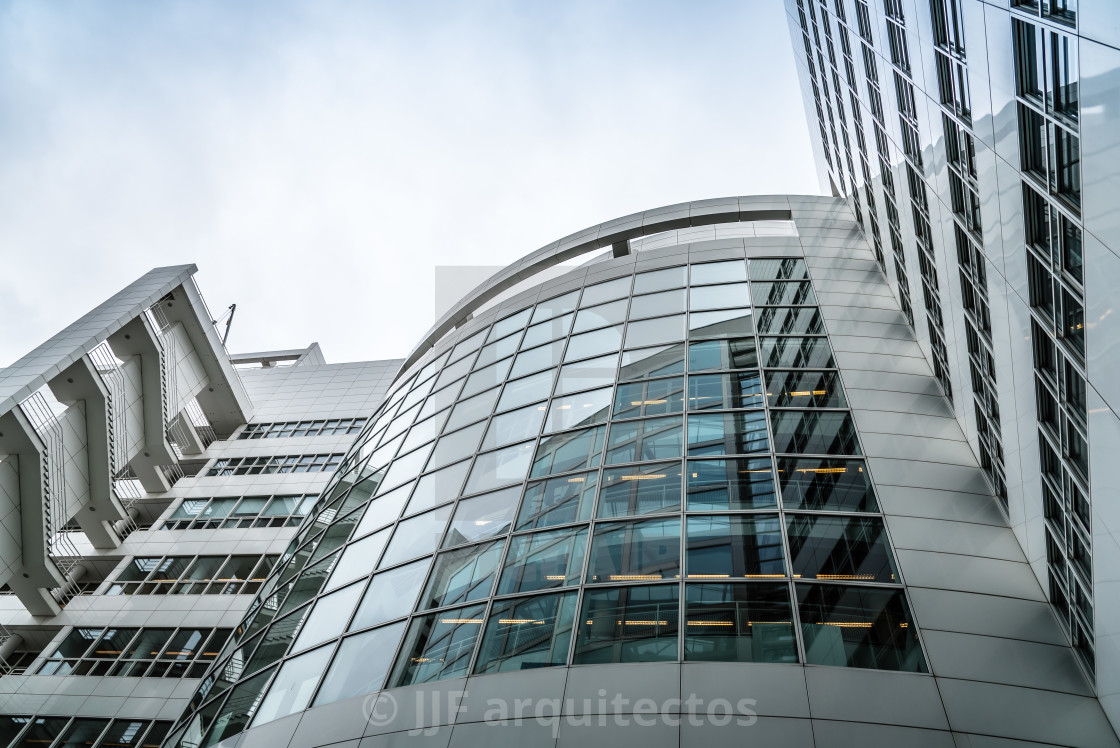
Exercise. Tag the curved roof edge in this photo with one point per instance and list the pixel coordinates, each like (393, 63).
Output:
(614, 233)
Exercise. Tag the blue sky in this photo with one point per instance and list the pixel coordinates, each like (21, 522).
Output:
(318, 159)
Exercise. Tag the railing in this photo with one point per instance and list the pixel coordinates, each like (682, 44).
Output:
(200, 423)
(127, 490)
(108, 368)
(168, 357)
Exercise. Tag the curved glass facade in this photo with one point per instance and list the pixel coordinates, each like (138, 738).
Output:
(659, 467)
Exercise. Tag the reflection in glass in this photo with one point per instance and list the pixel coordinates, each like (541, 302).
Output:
(785, 320)
(635, 551)
(601, 316)
(471, 409)
(719, 297)
(741, 389)
(535, 359)
(462, 575)
(237, 710)
(628, 624)
(797, 353)
(647, 439)
(734, 353)
(527, 633)
(738, 623)
(542, 560)
(454, 446)
(438, 646)
(608, 291)
(513, 426)
(744, 483)
(740, 432)
(328, 617)
(850, 549)
(657, 331)
(640, 489)
(557, 501)
(554, 307)
(358, 559)
(726, 323)
(415, 536)
(510, 324)
(361, 664)
(823, 483)
(652, 362)
(390, 594)
(805, 389)
(292, 688)
(594, 372)
(494, 469)
(790, 293)
(527, 390)
(814, 432)
(650, 398)
(778, 269)
(496, 351)
(657, 304)
(742, 545)
(858, 627)
(482, 517)
(572, 450)
(594, 343)
(438, 487)
(659, 280)
(718, 272)
(583, 409)
(548, 330)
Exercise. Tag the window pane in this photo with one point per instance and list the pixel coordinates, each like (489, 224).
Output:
(730, 484)
(798, 353)
(652, 362)
(293, 686)
(583, 409)
(390, 595)
(496, 351)
(542, 560)
(657, 280)
(406, 467)
(462, 575)
(555, 307)
(741, 432)
(235, 713)
(648, 439)
(727, 323)
(573, 450)
(790, 293)
(438, 646)
(557, 501)
(858, 627)
(415, 536)
(438, 487)
(328, 618)
(719, 297)
(146, 646)
(640, 489)
(549, 330)
(805, 389)
(742, 389)
(455, 446)
(513, 426)
(594, 343)
(524, 391)
(718, 272)
(655, 331)
(510, 324)
(738, 623)
(658, 304)
(829, 484)
(784, 320)
(583, 375)
(535, 359)
(482, 517)
(633, 551)
(42, 732)
(814, 432)
(839, 548)
(787, 269)
(361, 664)
(470, 409)
(527, 633)
(359, 559)
(600, 316)
(734, 353)
(608, 291)
(628, 624)
(495, 469)
(650, 398)
(721, 547)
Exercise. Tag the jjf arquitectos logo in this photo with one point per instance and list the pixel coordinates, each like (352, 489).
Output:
(422, 712)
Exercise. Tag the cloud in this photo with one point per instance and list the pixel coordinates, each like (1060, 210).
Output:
(317, 160)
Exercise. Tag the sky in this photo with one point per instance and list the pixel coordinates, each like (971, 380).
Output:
(319, 159)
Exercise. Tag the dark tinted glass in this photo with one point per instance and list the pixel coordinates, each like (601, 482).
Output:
(801, 353)
(640, 489)
(733, 353)
(814, 432)
(628, 624)
(730, 484)
(779, 320)
(850, 549)
(858, 627)
(723, 547)
(822, 483)
(650, 398)
(635, 551)
(740, 389)
(741, 432)
(805, 389)
(739, 623)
